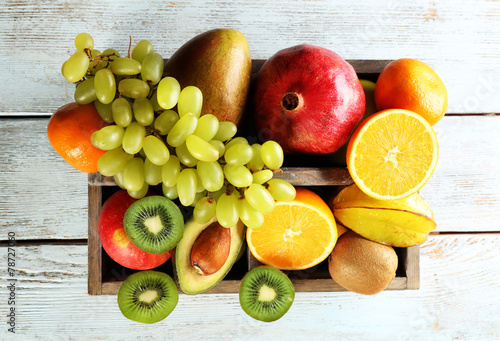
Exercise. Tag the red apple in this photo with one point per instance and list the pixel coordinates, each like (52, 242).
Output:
(308, 99)
(114, 239)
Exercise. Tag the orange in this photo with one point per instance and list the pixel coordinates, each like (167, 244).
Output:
(69, 131)
(392, 154)
(413, 85)
(296, 235)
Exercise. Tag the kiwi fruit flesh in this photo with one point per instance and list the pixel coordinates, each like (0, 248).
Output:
(361, 265)
(154, 224)
(148, 296)
(266, 293)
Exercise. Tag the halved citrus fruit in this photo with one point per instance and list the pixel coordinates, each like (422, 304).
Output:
(296, 235)
(392, 154)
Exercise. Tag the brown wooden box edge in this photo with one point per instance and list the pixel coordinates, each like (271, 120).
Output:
(408, 275)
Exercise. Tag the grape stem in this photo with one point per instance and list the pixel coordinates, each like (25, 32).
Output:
(130, 47)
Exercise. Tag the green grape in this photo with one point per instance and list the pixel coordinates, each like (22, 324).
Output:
(76, 67)
(219, 145)
(211, 175)
(217, 194)
(249, 216)
(170, 171)
(84, 41)
(122, 112)
(104, 111)
(227, 210)
(143, 111)
(156, 151)
(262, 176)
(185, 156)
(167, 93)
(133, 138)
(152, 173)
(256, 163)
(119, 180)
(199, 186)
(133, 88)
(236, 140)
(186, 186)
(170, 192)
(140, 193)
(259, 198)
(238, 176)
(141, 50)
(112, 162)
(226, 131)
(85, 92)
(190, 101)
(96, 62)
(165, 121)
(198, 197)
(111, 53)
(152, 68)
(62, 68)
(204, 210)
(142, 154)
(154, 101)
(107, 138)
(105, 86)
(272, 154)
(201, 149)
(207, 127)
(281, 190)
(238, 154)
(184, 127)
(125, 66)
(133, 174)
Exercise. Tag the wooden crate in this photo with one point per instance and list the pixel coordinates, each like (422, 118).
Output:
(105, 275)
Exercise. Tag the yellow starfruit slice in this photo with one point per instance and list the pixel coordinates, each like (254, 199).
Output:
(399, 223)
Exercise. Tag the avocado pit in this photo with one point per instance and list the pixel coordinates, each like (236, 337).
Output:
(211, 249)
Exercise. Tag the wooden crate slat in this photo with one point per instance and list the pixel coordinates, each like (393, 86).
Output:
(300, 176)
(95, 249)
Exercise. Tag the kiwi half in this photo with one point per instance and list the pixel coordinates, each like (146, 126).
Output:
(266, 293)
(148, 296)
(154, 224)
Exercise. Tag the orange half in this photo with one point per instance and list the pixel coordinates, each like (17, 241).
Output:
(392, 154)
(296, 235)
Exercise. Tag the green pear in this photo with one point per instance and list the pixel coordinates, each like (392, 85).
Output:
(218, 63)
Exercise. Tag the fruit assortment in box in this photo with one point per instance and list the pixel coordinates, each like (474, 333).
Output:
(198, 170)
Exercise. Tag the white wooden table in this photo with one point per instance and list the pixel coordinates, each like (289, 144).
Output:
(44, 201)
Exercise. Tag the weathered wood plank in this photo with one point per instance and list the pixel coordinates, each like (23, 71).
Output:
(41, 34)
(459, 276)
(41, 197)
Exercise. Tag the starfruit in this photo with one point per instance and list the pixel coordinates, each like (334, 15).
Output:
(399, 223)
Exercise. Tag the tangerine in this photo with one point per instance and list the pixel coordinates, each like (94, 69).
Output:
(69, 130)
(413, 85)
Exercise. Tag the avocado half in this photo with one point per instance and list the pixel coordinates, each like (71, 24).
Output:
(190, 281)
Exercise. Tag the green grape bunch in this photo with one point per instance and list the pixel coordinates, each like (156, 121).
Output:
(157, 136)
